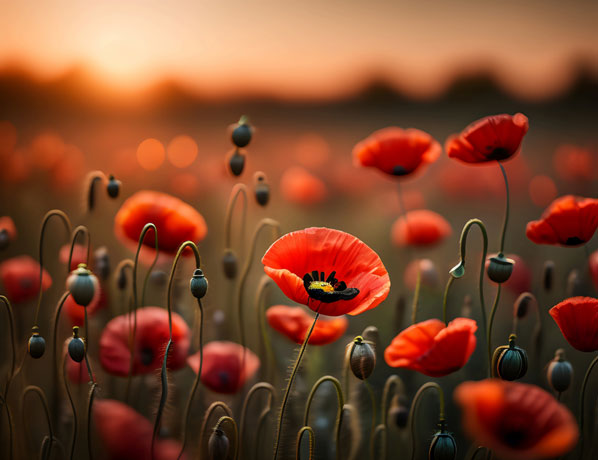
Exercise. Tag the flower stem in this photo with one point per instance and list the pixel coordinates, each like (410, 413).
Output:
(73, 408)
(290, 384)
(260, 304)
(444, 300)
(44, 401)
(206, 418)
(4, 403)
(254, 389)
(414, 405)
(373, 423)
(92, 178)
(92, 392)
(582, 404)
(238, 189)
(11, 326)
(489, 332)
(416, 295)
(79, 230)
(231, 421)
(312, 437)
(506, 220)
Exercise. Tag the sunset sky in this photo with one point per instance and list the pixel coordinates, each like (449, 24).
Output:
(307, 48)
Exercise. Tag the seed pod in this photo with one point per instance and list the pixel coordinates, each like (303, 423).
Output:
(76, 346)
(522, 304)
(218, 445)
(101, 262)
(36, 345)
(261, 188)
(4, 239)
(443, 446)
(198, 284)
(362, 358)
(548, 277)
(236, 161)
(399, 411)
(499, 268)
(241, 135)
(82, 284)
(229, 263)
(574, 284)
(509, 362)
(559, 372)
(458, 270)
(372, 335)
(113, 187)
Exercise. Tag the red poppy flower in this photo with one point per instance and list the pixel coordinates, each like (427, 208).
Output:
(175, 220)
(127, 435)
(76, 312)
(20, 276)
(294, 322)
(577, 318)
(396, 151)
(151, 338)
(574, 163)
(421, 227)
(516, 420)
(494, 138)
(521, 277)
(299, 186)
(330, 271)
(568, 221)
(221, 371)
(7, 225)
(79, 255)
(432, 348)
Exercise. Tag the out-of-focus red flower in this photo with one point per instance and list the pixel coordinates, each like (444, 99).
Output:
(593, 266)
(76, 312)
(222, 369)
(175, 220)
(79, 255)
(542, 190)
(421, 227)
(127, 435)
(493, 138)
(299, 186)
(151, 338)
(294, 322)
(47, 150)
(568, 221)
(427, 272)
(521, 277)
(396, 151)
(516, 420)
(20, 277)
(432, 348)
(577, 318)
(8, 225)
(330, 271)
(574, 163)
(16, 168)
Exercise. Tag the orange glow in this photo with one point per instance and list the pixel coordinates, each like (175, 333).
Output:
(150, 154)
(47, 150)
(182, 151)
(312, 150)
(542, 190)
(8, 137)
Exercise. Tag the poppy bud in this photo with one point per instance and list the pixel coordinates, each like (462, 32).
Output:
(371, 334)
(509, 362)
(399, 411)
(4, 239)
(521, 305)
(548, 274)
(261, 188)
(500, 268)
(101, 262)
(82, 285)
(199, 284)
(443, 446)
(36, 345)
(113, 187)
(559, 372)
(458, 270)
(218, 445)
(362, 358)
(236, 161)
(574, 284)
(76, 346)
(241, 135)
(229, 262)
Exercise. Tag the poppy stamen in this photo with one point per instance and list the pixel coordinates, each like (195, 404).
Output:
(329, 290)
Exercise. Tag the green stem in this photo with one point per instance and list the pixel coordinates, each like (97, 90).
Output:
(254, 389)
(92, 178)
(44, 401)
(260, 425)
(582, 396)
(373, 423)
(414, 405)
(231, 421)
(380, 430)
(489, 333)
(73, 408)
(206, 418)
(341, 403)
(416, 296)
(391, 382)
(92, 391)
(506, 220)
(444, 300)
(311, 436)
(238, 189)
(79, 230)
(265, 283)
(290, 384)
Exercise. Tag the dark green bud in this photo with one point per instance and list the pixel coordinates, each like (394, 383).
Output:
(443, 446)
(82, 284)
(229, 263)
(218, 445)
(509, 362)
(458, 270)
(199, 284)
(36, 345)
(261, 189)
(548, 277)
(76, 346)
(113, 187)
(559, 372)
(236, 161)
(362, 358)
(241, 135)
(499, 268)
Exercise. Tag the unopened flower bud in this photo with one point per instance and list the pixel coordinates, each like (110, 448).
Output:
(82, 284)
(236, 161)
(522, 304)
(559, 372)
(362, 358)
(229, 263)
(509, 362)
(199, 284)
(241, 135)
(113, 187)
(261, 189)
(499, 268)
(443, 446)
(458, 270)
(218, 445)
(399, 411)
(76, 346)
(548, 276)
(36, 345)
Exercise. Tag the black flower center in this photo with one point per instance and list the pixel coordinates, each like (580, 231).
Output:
(573, 241)
(147, 356)
(498, 153)
(329, 289)
(399, 170)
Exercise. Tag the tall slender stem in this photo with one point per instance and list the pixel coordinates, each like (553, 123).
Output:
(206, 419)
(11, 326)
(414, 405)
(4, 403)
(582, 396)
(506, 220)
(416, 295)
(92, 392)
(290, 384)
(260, 305)
(254, 389)
(311, 437)
(445, 298)
(373, 423)
(489, 333)
(238, 189)
(231, 421)
(73, 408)
(44, 401)
(79, 230)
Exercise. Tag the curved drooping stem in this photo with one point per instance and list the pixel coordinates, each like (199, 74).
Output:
(73, 407)
(415, 404)
(79, 230)
(290, 384)
(92, 391)
(582, 396)
(44, 401)
(163, 372)
(507, 205)
(382, 429)
(341, 403)
(206, 419)
(4, 403)
(238, 189)
(67, 223)
(260, 305)
(445, 299)
(195, 381)
(92, 179)
(57, 312)
(11, 327)
(490, 324)
(254, 389)
(231, 421)
(312, 440)
(261, 422)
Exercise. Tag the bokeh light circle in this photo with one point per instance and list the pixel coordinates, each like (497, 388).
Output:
(150, 154)
(182, 151)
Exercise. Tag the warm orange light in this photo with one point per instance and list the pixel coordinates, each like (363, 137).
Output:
(150, 154)
(542, 190)
(182, 151)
